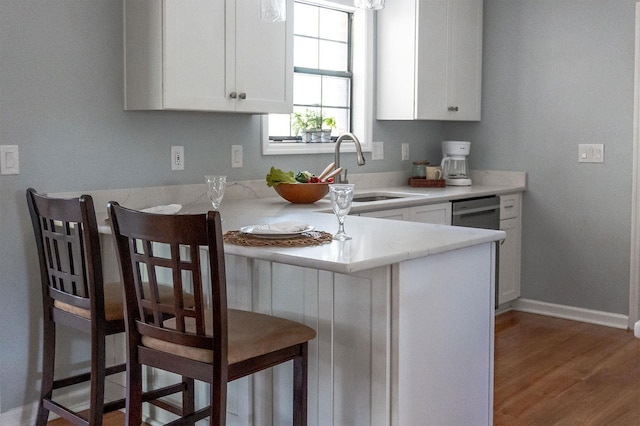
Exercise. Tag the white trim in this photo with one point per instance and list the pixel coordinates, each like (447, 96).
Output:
(20, 416)
(634, 278)
(636, 330)
(572, 313)
(362, 107)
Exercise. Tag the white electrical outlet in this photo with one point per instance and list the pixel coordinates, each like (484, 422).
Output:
(236, 156)
(378, 151)
(9, 160)
(177, 158)
(405, 151)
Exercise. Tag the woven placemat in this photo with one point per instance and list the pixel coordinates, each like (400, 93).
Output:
(306, 239)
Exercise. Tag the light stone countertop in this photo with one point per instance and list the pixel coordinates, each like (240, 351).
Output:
(376, 242)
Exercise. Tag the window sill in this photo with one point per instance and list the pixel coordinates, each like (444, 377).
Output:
(310, 148)
(291, 148)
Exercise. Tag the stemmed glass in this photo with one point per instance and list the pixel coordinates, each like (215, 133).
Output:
(215, 189)
(341, 197)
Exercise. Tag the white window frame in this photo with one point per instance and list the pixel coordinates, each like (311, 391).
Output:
(362, 104)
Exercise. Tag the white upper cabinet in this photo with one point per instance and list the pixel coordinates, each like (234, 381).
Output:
(430, 60)
(207, 55)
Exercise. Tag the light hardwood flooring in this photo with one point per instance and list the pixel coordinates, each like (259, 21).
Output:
(550, 371)
(115, 418)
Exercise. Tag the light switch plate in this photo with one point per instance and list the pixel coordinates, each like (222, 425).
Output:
(9, 160)
(590, 153)
(405, 151)
(378, 151)
(236, 156)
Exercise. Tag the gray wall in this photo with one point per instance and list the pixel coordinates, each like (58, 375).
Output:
(61, 102)
(556, 73)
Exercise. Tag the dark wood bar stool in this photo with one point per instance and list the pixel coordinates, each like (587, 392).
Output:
(215, 345)
(74, 295)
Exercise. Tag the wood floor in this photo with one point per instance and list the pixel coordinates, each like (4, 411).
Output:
(550, 371)
(111, 419)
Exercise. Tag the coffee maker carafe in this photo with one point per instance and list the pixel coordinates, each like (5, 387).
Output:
(454, 163)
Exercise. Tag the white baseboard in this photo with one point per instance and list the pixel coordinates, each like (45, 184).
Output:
(636, 330)
(21, 416)
(569, 312)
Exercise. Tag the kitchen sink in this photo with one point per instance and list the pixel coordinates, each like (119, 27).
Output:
(367, 198)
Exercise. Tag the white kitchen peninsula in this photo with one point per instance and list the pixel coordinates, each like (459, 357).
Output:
(404, 316)
(404, 311)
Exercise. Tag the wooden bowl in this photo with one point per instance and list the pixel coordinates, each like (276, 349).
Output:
(302, 193)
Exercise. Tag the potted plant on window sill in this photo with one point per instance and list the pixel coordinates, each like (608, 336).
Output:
(309, 125)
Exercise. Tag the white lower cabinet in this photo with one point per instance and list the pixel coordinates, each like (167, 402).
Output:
(510, 248)
(439, 214)
(393, 214)
(384, 353)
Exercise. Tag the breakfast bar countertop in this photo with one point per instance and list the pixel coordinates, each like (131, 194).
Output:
(376, 242)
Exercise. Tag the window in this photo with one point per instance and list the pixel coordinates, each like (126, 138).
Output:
(332, 78)
(322, 74)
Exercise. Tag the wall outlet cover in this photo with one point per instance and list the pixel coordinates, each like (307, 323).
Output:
(378, 151)
(405, 151)
(9, 160)
(177, 158)
(236, 156)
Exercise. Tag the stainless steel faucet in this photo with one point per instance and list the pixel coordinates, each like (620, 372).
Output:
(359, 156)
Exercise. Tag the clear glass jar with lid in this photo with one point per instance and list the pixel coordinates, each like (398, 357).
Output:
(419, 169)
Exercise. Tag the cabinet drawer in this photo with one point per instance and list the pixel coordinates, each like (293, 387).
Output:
(393, 214)
(509, 206)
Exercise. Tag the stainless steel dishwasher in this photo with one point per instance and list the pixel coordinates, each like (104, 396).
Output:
(482, 212)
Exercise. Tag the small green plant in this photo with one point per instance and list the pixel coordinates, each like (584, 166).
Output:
(311, 120)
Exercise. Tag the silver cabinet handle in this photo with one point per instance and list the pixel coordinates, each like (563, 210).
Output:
(453, 108)
(242, 95)
(233, 95)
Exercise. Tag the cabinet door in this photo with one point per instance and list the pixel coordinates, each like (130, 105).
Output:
(433, 75)
(198, 58)
(394, 214)
(449, 60)
(465, 56)
(396, 60)
(509, 206)
(264, 60)
(439, 214)
(509, 265)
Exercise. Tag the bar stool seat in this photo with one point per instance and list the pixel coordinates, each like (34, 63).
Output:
(250, 335)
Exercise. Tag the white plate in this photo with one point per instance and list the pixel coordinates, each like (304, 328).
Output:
(166, 209)
(255, 231)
